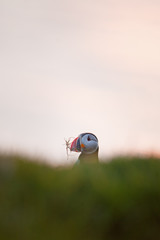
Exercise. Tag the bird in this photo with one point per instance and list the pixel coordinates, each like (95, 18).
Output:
(87, 144)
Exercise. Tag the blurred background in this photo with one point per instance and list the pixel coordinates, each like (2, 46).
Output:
(73, 66)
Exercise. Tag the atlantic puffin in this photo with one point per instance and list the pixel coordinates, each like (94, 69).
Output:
(87, 144)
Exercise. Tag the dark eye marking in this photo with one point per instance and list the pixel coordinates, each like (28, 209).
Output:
(89, 139)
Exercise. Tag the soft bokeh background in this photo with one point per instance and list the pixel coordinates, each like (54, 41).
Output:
(73, 66)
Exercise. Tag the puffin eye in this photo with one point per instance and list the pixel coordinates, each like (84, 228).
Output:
(89, 139)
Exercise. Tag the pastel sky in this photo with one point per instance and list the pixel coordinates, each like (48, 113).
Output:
(73, 66)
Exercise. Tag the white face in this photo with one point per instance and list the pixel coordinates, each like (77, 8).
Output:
(89, 143)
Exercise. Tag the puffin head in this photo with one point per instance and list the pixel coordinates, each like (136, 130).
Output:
(86, 143)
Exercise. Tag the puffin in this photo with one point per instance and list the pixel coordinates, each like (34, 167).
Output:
(87, 145)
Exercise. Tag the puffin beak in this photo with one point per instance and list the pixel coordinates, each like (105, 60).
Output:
(73, 146)
(82, 145)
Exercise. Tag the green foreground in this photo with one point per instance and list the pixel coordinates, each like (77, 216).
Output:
(116, 200)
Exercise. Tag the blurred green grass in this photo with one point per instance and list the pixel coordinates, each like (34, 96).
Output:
(115, 200)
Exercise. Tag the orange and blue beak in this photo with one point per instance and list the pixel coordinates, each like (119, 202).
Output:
(76, 145)
(73, 146)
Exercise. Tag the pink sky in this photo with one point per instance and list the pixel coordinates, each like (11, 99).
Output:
(70, 67)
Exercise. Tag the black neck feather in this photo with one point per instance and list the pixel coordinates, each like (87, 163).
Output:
(89, 158)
